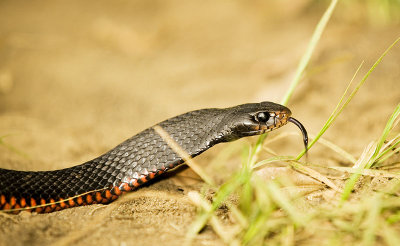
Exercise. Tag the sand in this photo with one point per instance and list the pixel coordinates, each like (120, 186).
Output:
(79, 77)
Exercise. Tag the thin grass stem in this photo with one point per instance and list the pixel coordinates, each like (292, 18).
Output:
(310, 50)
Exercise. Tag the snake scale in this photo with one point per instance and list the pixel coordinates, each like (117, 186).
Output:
(138, 159)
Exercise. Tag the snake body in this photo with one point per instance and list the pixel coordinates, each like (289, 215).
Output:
(136, 160)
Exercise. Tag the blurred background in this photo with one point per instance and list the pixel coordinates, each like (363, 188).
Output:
(79, 77)
(124, 65)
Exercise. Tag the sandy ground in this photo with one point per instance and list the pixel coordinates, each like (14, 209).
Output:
(79, 77)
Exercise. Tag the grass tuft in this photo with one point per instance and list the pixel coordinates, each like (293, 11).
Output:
(263, 212)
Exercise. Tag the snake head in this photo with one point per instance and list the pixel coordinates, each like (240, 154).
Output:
(258, 118)
(254, 119)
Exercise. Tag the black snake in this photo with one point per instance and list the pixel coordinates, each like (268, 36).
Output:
(138, 159)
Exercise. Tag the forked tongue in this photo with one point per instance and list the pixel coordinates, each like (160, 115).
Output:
(303, 130)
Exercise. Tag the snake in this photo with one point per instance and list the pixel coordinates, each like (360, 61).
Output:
(138, 159)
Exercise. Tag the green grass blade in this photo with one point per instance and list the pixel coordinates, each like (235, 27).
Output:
(257, 149)
(387, 156)
(393, 118)
(391, 145)
(359, 166)
(224, 191)
(304, 60)
(335, 113)
(338, 110)
(311, 47)
(284, 202)
(337, 149)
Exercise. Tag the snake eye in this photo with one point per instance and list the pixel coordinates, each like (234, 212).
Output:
(262, 117)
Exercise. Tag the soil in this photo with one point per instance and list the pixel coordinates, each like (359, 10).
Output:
(79, 77)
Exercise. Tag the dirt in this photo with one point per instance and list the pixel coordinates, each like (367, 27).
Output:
(79, 77)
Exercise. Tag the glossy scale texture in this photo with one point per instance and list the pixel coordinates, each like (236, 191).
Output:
(135, 161)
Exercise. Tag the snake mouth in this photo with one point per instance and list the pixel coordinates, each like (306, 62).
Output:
(280, 119)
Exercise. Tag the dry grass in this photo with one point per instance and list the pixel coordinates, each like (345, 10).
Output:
(354, 212)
